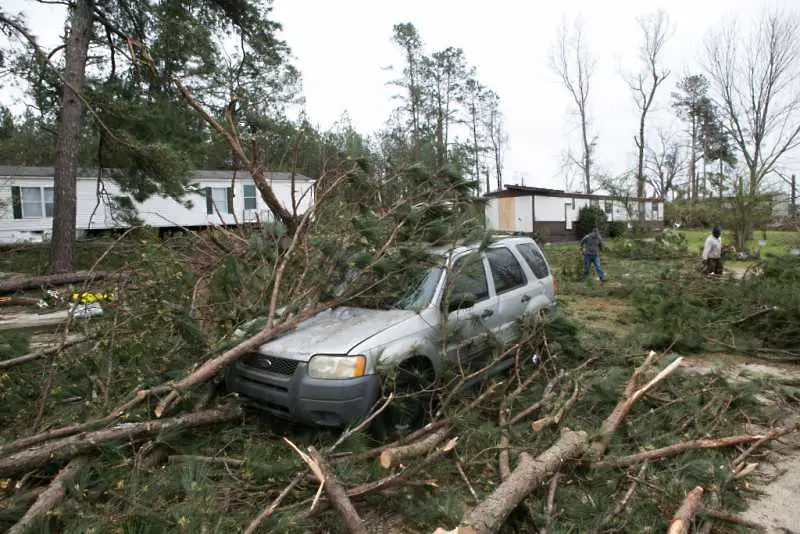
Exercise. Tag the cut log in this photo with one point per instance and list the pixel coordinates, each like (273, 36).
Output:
(19, 301)
(35, 282)
(50, 497)
(29, 321)
(395, 455)
(80, 444)
(682, 519)
(489, 515)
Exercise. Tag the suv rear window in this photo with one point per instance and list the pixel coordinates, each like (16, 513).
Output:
(534, 259)
(506, 270)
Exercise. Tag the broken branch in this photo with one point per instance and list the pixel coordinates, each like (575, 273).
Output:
(395, 455)
(682, 519)
(50, 497)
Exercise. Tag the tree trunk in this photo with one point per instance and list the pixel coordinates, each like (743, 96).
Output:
(693, 161)
(68, 142)
(587, 155)
(489, 516)
(640, 168)
(793, 205)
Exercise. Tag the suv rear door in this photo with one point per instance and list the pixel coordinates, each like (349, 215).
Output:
(513, 291)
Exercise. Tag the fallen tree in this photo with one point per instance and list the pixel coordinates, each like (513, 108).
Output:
(72, 446)
(14, 285)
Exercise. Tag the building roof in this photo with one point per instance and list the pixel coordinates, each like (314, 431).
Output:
(17, 171)
(514, 190)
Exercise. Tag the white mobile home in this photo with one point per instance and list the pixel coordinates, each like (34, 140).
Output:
(552, 212)
(26, 202)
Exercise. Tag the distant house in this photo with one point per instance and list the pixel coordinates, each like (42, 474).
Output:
(551, 213)
(26, 202)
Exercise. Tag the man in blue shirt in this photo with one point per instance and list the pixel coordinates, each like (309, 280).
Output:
(591, 245)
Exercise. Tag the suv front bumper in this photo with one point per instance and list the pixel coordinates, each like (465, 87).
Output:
(298, 397)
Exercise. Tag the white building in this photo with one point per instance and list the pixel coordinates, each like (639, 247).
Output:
(26, 202)
(551, 213)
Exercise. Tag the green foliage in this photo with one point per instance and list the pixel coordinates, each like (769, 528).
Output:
(615, 229)
(589, 218)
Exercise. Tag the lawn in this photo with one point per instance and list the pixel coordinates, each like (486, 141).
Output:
(778, 242)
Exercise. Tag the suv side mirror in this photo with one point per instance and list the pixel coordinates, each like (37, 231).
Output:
(460, 301)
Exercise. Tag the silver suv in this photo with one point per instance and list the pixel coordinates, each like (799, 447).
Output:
(332, 368)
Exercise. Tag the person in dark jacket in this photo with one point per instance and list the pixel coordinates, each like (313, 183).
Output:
(590, 246)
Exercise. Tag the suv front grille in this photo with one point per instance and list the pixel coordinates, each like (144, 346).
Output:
(280, 366)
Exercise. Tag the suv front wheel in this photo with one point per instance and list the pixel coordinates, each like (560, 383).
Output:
(411, 384)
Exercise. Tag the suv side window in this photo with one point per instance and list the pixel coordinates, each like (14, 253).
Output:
(469, 276)
(534, 259)
(506, 270)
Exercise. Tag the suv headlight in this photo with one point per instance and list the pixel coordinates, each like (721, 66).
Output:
(336, 366)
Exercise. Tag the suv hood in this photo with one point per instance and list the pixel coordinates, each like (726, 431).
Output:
(333, 331)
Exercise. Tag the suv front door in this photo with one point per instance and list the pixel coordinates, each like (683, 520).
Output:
(465, 330)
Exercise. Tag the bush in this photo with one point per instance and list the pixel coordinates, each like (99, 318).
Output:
(589, 218)
(616, 229)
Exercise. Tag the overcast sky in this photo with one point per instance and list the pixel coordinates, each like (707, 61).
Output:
(342, 48)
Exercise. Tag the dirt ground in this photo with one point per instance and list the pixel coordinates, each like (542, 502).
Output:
(776, 481)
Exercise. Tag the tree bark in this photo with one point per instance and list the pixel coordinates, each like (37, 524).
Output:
(76, 445)
(489, 516)
(37, 282)
(50, 497)
(683, 517)
(68, 143)
(338, 496)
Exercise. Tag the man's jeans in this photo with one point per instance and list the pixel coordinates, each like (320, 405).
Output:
(593, 259)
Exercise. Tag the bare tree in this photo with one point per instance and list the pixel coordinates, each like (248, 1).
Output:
(664, 163)
(656, 30)
(756, 77)
(571, 61)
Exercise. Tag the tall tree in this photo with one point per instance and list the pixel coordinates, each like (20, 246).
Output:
(571, 61)
(497, 136)
(755, 75)
(692, 104)
(656, 30)
(406, 36)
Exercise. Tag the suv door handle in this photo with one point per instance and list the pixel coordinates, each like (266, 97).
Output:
(486, 313)
(526, 298)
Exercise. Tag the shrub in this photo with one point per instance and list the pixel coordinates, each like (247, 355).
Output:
(589, 218)
(616, 229)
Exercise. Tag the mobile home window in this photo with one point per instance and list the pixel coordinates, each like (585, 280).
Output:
(608, 206)
(595, 202)
(32, 202)
(249, 196)
(219, 197)
(655, 208)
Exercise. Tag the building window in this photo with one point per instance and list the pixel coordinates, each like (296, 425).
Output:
(595, 202)
(655, 208)
(608, 206)
(32, 202)
(249, 196)
(219, 199)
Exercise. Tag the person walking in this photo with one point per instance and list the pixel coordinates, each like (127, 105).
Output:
(590, 247)
(712, 253)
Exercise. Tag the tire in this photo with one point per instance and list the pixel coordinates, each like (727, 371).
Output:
(409, 409)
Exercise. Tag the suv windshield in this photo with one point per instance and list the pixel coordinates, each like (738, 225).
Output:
(422, 292)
